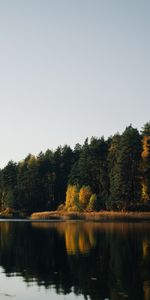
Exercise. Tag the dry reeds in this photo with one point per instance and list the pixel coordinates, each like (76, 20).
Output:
(103, 216)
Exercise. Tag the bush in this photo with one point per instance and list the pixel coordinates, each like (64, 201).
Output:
(92, 206)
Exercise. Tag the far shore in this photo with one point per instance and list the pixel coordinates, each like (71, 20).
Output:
(102, 216)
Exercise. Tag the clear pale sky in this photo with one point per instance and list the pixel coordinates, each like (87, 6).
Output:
(71, 69)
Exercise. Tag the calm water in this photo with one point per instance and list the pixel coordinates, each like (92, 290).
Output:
(74, 260)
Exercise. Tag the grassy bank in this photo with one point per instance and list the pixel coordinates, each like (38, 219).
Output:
(92, 216)
(103, 216)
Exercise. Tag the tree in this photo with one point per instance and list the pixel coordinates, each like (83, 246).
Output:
(91, 167)
(27, 184)
(84, 196)
(47, 178)
(63, 162)
(126, 185)
(92, 206)
(112, 165)
(145, 166)
(72, 198)
(146, 129)
(8, 185)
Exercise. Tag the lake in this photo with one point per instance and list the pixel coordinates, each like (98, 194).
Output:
(74, 260)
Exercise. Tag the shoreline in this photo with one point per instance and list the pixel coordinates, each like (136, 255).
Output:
(103, 216)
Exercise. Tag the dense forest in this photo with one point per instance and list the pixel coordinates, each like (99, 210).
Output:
(111, 174)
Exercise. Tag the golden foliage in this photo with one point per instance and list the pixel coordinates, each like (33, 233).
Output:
(92, 203)
(72, 197)
(145, 193)
(146, 147)
(79, 200)
(84, 196)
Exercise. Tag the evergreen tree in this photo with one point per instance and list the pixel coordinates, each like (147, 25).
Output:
(112, 164)
(125, 184)
(91, 167)
(9, 185)
(145, 166)
(63, 162)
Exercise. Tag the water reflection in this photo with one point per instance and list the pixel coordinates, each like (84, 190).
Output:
(98, 261)
(79, 237)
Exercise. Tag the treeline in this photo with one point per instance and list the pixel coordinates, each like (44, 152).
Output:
(100, 174)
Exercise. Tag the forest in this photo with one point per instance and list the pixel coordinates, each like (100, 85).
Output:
(101, 174)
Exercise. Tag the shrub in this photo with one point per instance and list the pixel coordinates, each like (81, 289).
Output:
(92, 206)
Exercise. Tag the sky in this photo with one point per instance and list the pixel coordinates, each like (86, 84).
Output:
(71, 69)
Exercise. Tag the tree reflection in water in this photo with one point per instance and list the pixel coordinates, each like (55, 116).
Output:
(107, 260)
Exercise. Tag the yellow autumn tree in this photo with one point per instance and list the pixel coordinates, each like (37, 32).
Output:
(72, 198)
(84, 196)
(92, 205)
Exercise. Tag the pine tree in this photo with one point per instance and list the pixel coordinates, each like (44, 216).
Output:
(125, 185)
(145, 166)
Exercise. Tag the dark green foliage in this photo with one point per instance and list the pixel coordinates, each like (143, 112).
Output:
(117, 170)
(8, 185)
(146, 129)
(91, 167)
(145, 167)
(125, 183)
(63, 162)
